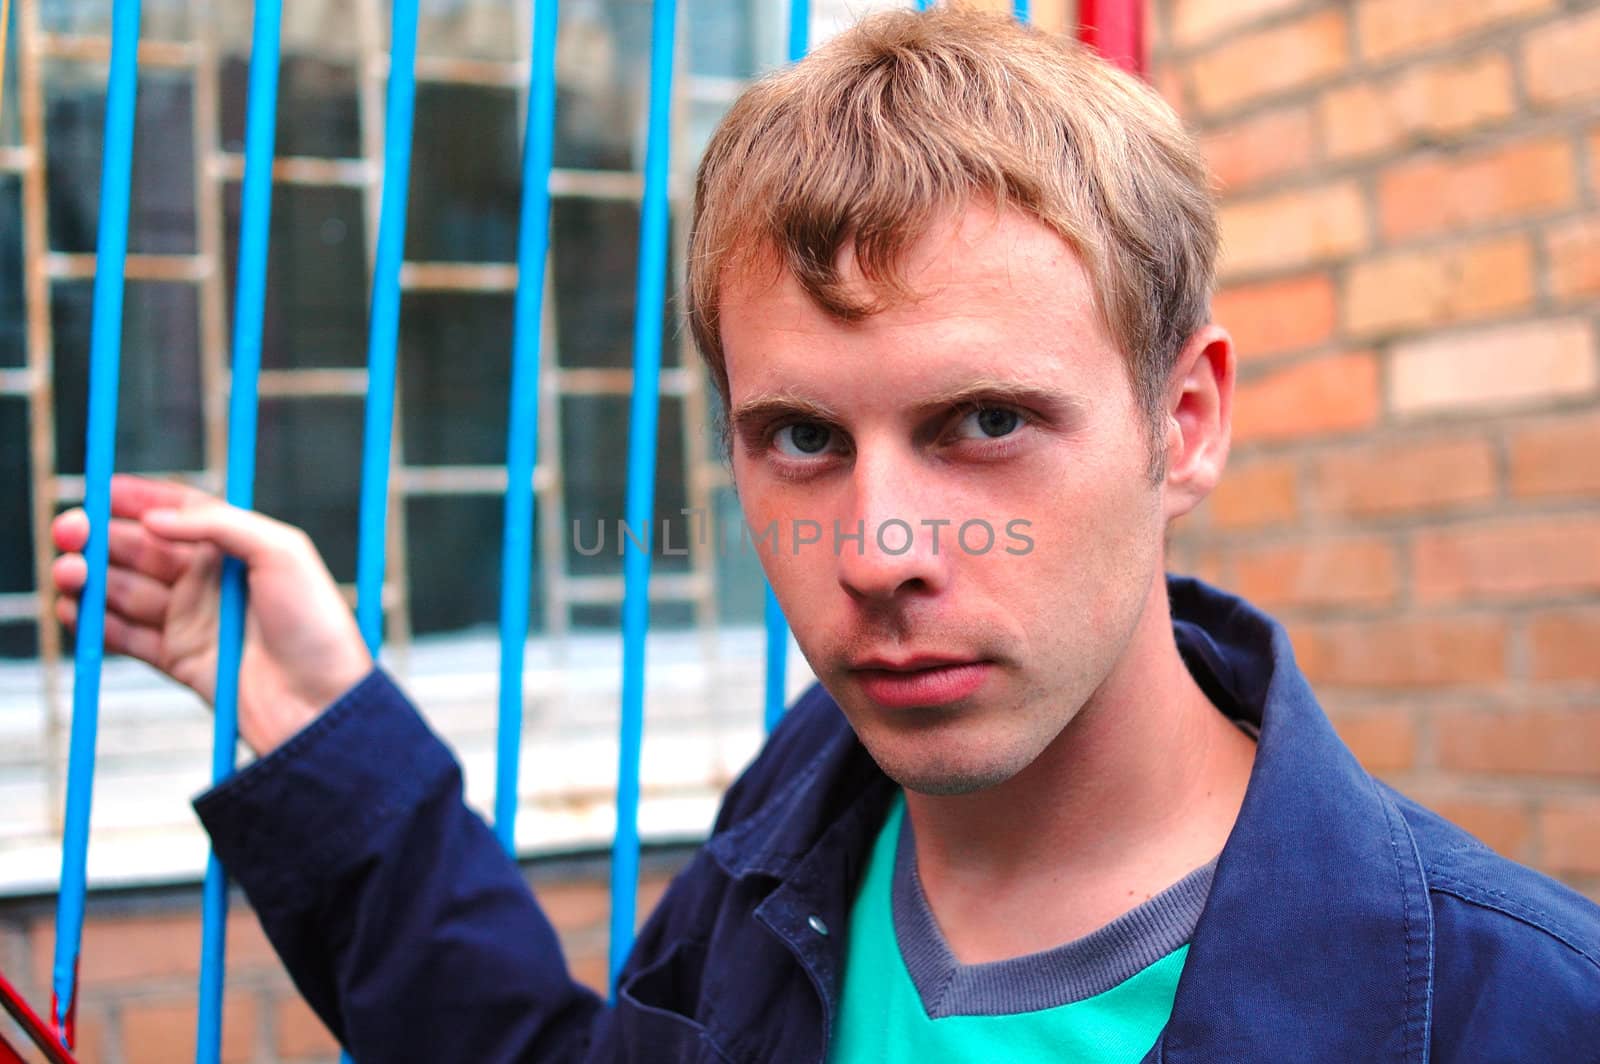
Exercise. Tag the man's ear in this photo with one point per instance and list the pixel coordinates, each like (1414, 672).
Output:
(1199, 416)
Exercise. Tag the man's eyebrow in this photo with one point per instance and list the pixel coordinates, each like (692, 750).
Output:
(748, 420)
(1010, 392)
(749, 417)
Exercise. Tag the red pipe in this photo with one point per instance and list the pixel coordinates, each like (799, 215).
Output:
(9, 1055)
(32, 1026)
(1116, 29)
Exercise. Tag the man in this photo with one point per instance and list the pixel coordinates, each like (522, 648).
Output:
(950, 275)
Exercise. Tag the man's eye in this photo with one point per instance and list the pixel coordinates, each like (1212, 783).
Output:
(989, 422)
(806, 439)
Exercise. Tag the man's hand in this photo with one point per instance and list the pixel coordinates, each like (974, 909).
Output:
(302, 648)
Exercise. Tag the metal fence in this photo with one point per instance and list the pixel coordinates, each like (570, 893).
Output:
(1112, 25)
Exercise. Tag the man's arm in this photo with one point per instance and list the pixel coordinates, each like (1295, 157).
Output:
(407, 928)
(391, 903)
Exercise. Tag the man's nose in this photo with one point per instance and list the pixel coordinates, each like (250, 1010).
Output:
(890, 542)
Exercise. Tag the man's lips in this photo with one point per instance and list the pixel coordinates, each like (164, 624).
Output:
(924, 680)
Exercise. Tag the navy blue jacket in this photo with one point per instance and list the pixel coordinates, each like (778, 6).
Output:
(1345, 922)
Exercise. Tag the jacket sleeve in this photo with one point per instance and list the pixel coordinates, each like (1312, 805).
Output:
(397, 914)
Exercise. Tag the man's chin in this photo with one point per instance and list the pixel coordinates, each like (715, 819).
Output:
(943, 774)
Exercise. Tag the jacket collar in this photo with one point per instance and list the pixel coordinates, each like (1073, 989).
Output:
(1316, 943)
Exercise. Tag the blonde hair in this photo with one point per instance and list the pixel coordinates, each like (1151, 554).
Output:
(908, 115)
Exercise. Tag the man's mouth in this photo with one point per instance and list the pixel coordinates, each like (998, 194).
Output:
(925, 680)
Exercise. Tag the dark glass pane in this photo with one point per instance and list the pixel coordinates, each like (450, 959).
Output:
(161, 214)
(602, 74)
(663, 614)
(308, 472)
(316, 312)
(594, 457)
(596, 248)
(19, 639)
(454, 563)
(721, 38)
(158, 396)
(455, 377)
(741, 594)
(466, 180)
(16, 507)
(13, 299)
(319, 110)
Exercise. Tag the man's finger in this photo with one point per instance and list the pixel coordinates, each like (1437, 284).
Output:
(132, 496)
(70, 530)
(69, 573)
(137, 597)
(121, 636)
(133, 547)
(248, 536)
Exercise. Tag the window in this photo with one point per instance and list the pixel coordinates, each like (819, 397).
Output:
(442, 589)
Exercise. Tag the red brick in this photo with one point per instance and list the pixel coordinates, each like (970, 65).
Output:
(298, 1032)
(1593, 151)
(1171, 84)
(1424, 289)
(1301, 53)
(1292, 229)
(1569, 835)
(1384, 739)
(1253, 495)
(1194, 21)
(1559, 60)
(1403, 652)
(1393, 477)
(1565, 645)
(161, 1032)
(1505, 826)
(1553, 742)
(1439, 193)
(1271, 317)
(1391, 27)
(590, 968)
(1573, 250)
(1266, 145)
(1503, 365)
(247, 947)
(1345, 572)
(1556, 457)
(1524, 558)
(574, 905)
(125, 949)
(1338, 393)
(1432, 101)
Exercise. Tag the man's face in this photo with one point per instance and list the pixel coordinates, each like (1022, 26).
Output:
(994, 400)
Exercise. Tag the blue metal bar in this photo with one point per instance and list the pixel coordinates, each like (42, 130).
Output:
(1020, 9)
(105, 357)
(248, 315)
(777, 659)
(923, 5)
(777, 627)
(384, 329)
(641, 479)
(799, 29)
(533, 244)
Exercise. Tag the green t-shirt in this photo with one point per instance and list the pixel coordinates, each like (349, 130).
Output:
(1101, 999)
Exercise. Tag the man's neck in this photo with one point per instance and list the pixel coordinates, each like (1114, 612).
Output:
(1142, 787)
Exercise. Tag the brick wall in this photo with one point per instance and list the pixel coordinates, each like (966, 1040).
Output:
(141, 965)
(1411, 214)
